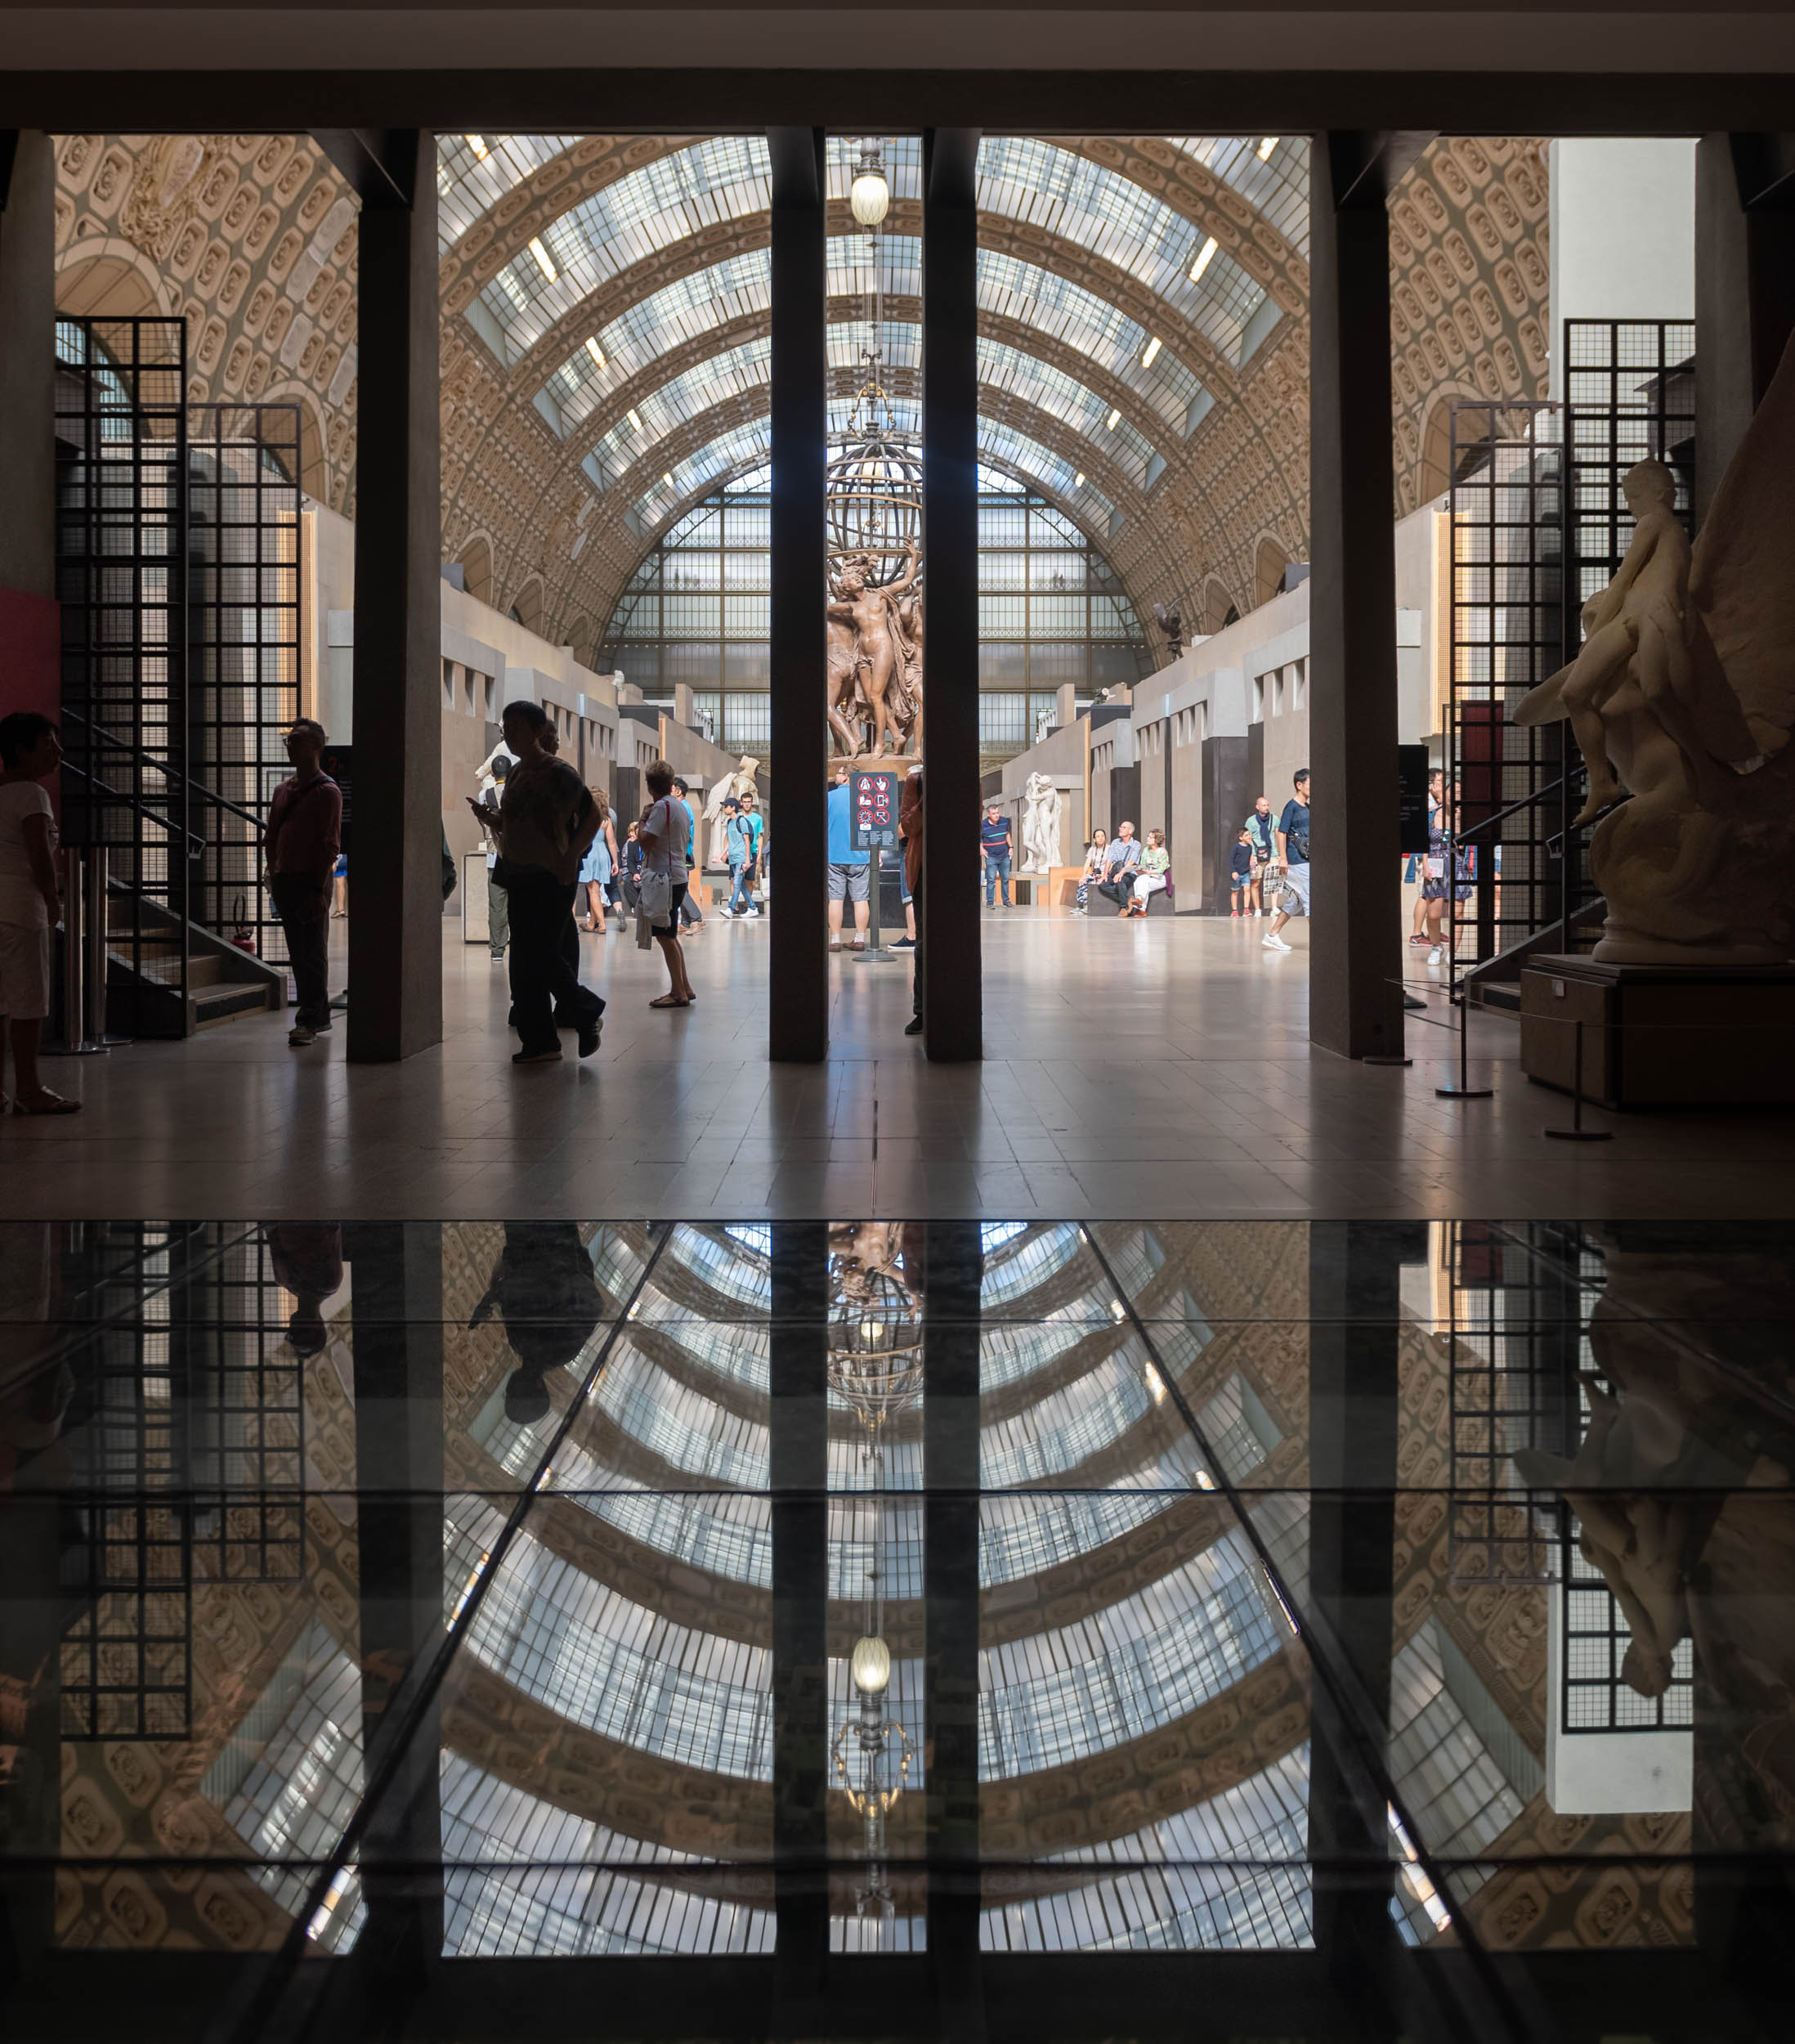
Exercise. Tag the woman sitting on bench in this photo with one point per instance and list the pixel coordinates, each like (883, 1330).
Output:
(1152, 877)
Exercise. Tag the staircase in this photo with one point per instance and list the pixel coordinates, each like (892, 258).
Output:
(143, 974)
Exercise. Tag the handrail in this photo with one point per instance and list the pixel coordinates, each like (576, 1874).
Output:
(130, 802)
(163, 767)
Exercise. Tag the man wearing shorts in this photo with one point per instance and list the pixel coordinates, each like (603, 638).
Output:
(846, 867)
(1293, 849)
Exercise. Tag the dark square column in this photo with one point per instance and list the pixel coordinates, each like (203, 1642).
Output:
(948, 929)
(798, 1468)
(396, 934)
(798, 1017)
(1355, 941)
(1744, 289)
(27, 360)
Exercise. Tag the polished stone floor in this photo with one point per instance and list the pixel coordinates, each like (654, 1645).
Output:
(1018, 1628)
(1159, 1068)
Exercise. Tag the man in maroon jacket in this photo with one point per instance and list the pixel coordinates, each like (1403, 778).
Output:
(303, 836)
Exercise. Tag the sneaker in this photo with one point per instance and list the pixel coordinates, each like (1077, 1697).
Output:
(1272, 942)
(914, 1026)
(537, 1057)
(589, 1036)
(1436, 955)
(726, 912)
(302, 1033)
(905, 943)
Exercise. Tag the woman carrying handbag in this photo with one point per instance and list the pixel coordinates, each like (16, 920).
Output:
(661, 883)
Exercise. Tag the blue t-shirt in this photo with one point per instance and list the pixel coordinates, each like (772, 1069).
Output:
(1294, 823)
(994, 837)
(1241, 862)
(734, 841)
(841, 830)
(752, 825)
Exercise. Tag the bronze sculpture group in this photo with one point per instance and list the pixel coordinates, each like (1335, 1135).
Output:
(875, 658)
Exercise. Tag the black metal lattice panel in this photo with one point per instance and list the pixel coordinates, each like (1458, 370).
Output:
(1507, 634)
(1513, 1345)
(121, 427)
(243, 613)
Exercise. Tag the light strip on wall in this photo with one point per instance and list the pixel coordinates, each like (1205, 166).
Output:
(631, 416)
(1153, 349)
(1205, 256)
(543, 259)
(477, 144)
(1113, 416)
(1266, 147)
(595, 350)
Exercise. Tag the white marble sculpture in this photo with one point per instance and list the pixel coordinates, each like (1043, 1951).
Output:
(1041, 825)
(1683, 696)
(731, 787)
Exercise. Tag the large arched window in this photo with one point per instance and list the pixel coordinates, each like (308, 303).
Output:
(1052, 611)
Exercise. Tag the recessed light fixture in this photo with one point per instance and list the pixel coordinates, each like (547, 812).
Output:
(1078, 480)
(1152, 350)
(631, 416)
(1266, 147)
(477, 144)
(667, 478)
(1205, 256)
(1114, 415)
(595, 350)
(544, 261)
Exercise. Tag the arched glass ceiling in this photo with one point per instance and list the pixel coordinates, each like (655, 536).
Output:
(1269, 172)
(728, 177)
(733, 373)
(999, 446)
(475, 172)
(663, 203)
(741, 286)
(1094, 209)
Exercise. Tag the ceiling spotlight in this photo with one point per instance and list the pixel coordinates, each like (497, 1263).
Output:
(869, 197)
(1205, 256)
(477, 144)
(1266, 147)
(1153, 349)
(1078, 480)
(595, 350)
(543, 260)
(1114, 415)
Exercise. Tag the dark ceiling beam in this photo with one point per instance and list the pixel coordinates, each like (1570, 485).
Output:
(1765, 167)
(9, 154)
(1367, 166)
(378, 164)
(1080, 102)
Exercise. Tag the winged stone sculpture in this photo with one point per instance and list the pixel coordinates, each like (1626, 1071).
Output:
(1683, 696)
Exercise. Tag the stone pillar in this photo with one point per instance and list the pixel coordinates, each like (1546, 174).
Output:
(1355, 942)
(799, 1467)
(1744, 289)
(396, 934)
(27, 386)
(951, 1264)
(798, 1019)
(948, 927)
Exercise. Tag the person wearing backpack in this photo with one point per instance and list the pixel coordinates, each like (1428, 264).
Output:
(1293, 850)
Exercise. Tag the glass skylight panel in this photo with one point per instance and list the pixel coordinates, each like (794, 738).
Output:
(856, 270)
(1276, 186)
(1068, 313)
(652, 208)
(732, 374)
(742, 444)
(474, 172)
(639, 338)
(900, 345)
(901, 155)
(1074, 405)
(1095, 209)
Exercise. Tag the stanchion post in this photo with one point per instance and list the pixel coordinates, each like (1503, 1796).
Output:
(1464, 1090)
(1577, 1133)
(76, 1040)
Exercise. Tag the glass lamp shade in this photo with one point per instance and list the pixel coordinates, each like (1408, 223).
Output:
(871, 1665)
(870, 197)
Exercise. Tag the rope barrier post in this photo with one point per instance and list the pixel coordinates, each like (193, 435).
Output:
(76, 1043)
(1464, 1090)
(1577, 1133)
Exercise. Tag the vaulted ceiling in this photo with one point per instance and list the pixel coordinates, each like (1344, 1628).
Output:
(605, 319)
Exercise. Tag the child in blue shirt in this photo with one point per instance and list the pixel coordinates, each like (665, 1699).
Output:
(1241, 869)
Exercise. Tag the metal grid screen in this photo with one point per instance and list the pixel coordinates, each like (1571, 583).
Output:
(121, 431)
(244, 608)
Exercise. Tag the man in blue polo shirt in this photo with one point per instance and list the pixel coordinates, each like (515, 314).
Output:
(1293, 849)
(846, 867)
(994, 853)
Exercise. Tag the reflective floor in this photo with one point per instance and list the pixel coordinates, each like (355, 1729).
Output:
(432, 1629)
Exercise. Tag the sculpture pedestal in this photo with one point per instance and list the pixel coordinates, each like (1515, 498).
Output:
(1661, 1036)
